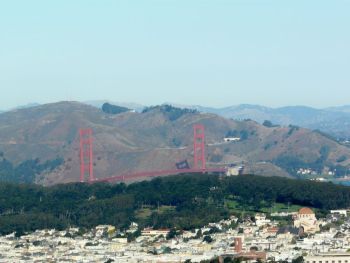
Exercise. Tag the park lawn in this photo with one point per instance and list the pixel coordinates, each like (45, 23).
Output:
(281, 207)
(235, 207)
(145, 213)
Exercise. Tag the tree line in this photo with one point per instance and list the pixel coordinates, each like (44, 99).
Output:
(196, 200)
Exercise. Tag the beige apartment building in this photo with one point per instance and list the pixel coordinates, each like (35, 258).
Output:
(328, 258)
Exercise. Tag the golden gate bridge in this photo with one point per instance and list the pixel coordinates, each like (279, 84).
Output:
(199, 161)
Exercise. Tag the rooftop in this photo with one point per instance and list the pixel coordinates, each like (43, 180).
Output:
(306, 211)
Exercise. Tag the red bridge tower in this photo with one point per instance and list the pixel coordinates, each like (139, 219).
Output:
(86, 155)
(199, 147)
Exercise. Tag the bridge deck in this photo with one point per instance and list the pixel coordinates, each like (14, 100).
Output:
(150, 174)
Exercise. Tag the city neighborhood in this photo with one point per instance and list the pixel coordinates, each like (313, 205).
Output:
(262, 238)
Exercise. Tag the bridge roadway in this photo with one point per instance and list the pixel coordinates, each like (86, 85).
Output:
(150, 174)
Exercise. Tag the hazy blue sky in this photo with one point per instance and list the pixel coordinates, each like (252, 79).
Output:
(205, 52)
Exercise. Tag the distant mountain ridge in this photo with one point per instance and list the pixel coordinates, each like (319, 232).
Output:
(25, 106)
(156, 139)
(334, 121)
(345, 108)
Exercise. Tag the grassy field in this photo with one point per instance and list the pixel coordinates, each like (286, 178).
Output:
(145, 213)
(235, 207)
(280, 207)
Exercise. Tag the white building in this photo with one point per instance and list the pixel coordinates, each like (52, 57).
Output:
(149, 232)
(232, 139)
(307, 221)
(339, 212)
(260, 220)
(328, 258)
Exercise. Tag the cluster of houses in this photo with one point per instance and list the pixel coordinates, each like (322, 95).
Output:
(306, 171)
(250, 238)
(309, 171)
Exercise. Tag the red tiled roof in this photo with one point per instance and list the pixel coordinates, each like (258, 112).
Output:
(306, 211)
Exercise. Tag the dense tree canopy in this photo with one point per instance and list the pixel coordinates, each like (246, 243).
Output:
(113, 109)
(192, 201)
(173, 113)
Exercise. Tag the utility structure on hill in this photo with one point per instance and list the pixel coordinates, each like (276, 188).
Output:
(199, 162)
(86, 155)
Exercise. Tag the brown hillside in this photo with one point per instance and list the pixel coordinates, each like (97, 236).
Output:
(131, 142)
